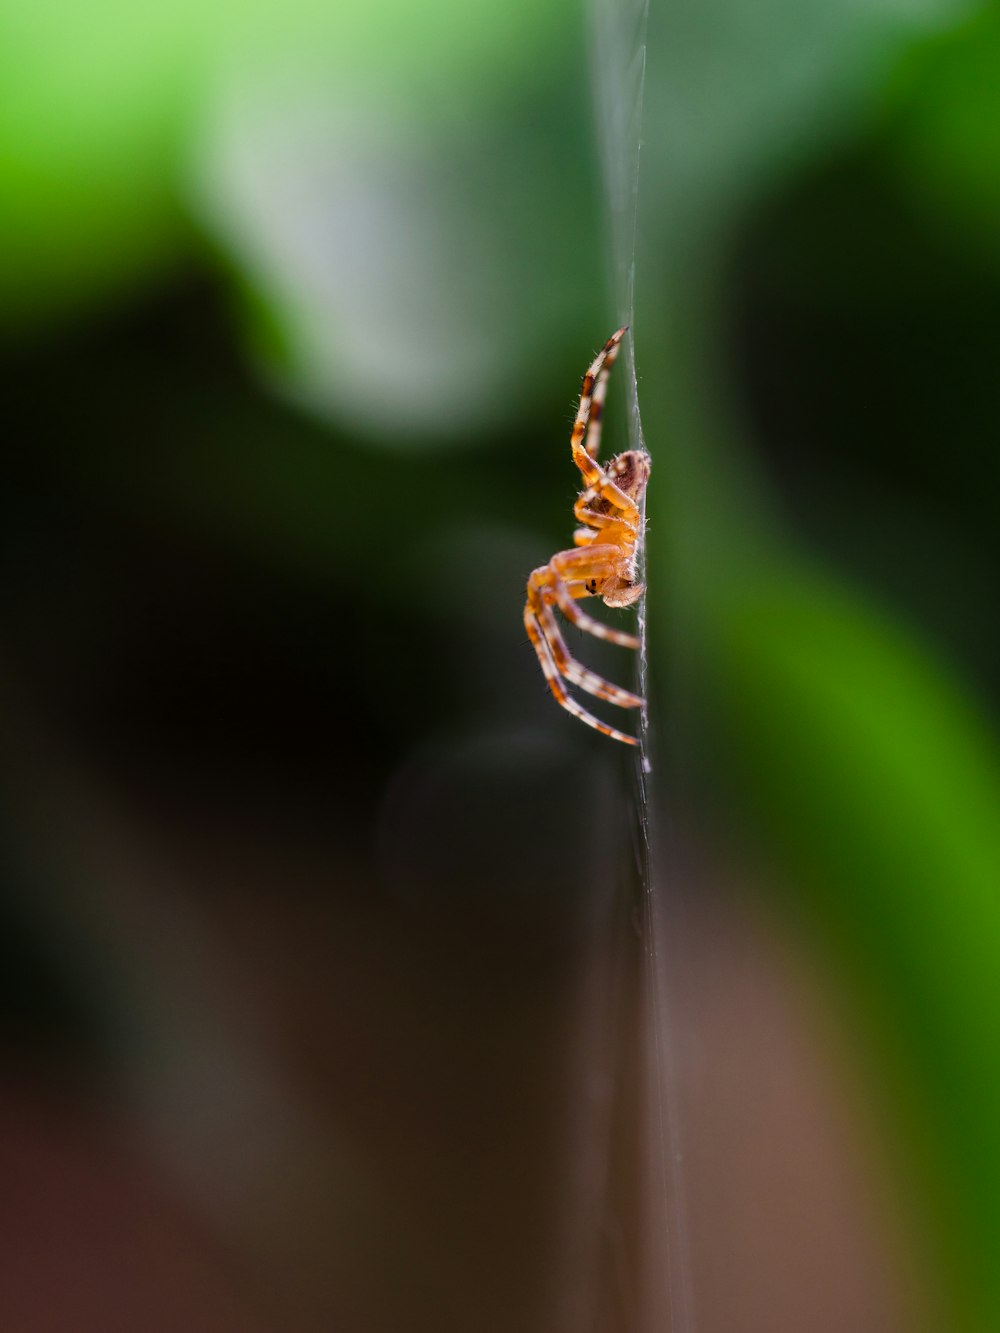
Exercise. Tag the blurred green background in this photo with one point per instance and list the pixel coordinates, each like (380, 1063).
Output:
(320, 999)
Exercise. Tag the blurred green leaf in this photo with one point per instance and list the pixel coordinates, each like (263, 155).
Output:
(945, 125)
(104, 108)
(91, 105)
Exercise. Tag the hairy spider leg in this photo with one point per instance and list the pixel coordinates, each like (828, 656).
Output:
(596, 413)
(556, 686)
(566, 664)
(586, 536)
(593, 390)
(597, 521)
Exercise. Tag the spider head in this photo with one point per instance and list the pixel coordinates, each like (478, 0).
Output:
(630, 472)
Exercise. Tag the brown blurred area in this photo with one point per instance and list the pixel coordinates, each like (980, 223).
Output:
(351, 1111)
(328, 1002)
(384, 1043)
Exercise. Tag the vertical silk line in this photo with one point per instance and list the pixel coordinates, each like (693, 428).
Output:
(618, 69)
(665, 1300)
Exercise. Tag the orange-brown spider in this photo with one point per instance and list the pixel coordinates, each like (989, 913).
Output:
(608, 507)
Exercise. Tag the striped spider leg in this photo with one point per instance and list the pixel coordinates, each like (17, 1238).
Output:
(604, 561)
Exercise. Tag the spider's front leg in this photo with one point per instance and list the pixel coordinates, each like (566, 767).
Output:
(589, 415)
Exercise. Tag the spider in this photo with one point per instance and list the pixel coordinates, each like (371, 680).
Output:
(608, 507)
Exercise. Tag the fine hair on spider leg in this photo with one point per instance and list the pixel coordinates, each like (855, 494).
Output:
(604, 561)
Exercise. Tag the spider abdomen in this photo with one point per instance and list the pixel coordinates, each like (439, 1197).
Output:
(630, 472)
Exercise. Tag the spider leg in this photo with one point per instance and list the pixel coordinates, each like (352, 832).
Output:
(567, 605)
(592, 442)
(594, 519)
(551, 672)
(617, 498)
(565, 663)
(597, 374)
(584, 535)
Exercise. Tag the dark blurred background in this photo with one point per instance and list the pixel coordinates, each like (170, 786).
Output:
(332, 994)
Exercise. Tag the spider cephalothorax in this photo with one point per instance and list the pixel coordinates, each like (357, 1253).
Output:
(604, 565)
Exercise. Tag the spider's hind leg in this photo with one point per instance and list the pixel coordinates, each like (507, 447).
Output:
(567, 665)
(556, 686)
